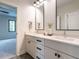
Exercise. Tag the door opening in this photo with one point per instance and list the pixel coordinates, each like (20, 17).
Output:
(7, 31)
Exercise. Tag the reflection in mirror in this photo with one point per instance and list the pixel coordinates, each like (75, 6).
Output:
(39, 17)
(67, 15)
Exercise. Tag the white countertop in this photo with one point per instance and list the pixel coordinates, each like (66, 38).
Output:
(62, 39)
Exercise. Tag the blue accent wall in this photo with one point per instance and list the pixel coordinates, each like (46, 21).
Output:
(4, 33)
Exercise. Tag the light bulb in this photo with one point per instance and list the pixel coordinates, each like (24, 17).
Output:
(34, 3)
(38, 2)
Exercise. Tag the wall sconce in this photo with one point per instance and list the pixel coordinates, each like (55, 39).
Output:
(38, 3)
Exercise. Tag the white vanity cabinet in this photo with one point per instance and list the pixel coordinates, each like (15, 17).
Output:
(65, 56)
(50, 53)
(53, 54)
(42, 48)
(53, 50)
(39, 48)
(30, 46)
(35, 47)
(39, 56)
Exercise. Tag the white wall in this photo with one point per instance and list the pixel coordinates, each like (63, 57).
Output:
(26, 13)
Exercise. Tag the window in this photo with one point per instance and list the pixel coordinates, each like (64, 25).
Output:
(12, 25)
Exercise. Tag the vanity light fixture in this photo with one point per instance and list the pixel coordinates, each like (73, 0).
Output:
(34, 3)
(38, 3)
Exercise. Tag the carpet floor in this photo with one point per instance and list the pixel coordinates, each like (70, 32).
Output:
(7, 48)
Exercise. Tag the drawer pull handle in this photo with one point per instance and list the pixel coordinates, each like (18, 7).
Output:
(39, 40)
(29, 41)
(56, 54)
(59, 55)
(37, 57)
(39, 48)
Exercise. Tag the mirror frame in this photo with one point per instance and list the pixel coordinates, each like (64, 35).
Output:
(60, 23)
(43, 18)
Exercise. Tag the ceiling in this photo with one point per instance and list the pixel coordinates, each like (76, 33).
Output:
(62, 2)
(7, 10)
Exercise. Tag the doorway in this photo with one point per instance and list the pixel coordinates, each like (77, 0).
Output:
(7, 31)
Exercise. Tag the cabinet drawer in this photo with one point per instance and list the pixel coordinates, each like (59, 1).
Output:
(50, 53)
(64, 56)
(39, 56)
(63, 47)
(30, 38)
(40, 49)
(40, 41)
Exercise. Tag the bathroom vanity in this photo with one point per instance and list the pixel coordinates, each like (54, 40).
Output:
(52, 47)
(55, 47)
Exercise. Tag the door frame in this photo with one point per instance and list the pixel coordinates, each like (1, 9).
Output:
(15, 6)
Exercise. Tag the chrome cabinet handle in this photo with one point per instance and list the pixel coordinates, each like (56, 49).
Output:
(37, 57)
(39, 48)
(59, 55)
(56, 54)
(29, 41)
(39, 40)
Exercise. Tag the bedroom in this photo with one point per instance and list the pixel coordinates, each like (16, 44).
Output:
(7, 31)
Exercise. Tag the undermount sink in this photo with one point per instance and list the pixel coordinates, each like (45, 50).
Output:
(70, 39)
(65, 38)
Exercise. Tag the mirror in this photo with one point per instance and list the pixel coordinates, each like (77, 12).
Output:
(67, 15)
(39, 17)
